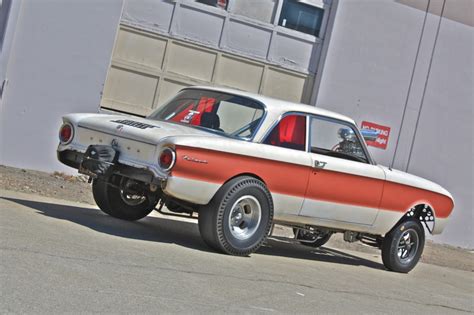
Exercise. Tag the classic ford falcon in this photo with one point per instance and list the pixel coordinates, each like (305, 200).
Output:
(244, 162)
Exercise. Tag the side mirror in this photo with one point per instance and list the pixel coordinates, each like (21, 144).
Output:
(369, 134)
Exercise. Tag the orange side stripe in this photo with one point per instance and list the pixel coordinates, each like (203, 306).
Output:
(292, 179)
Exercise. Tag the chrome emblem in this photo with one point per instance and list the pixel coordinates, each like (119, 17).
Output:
(191, 159)
(119, 128)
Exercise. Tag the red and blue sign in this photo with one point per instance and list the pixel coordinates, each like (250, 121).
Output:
(382, 137)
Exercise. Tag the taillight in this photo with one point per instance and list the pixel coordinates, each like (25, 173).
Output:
(167, 159)
(66, 133)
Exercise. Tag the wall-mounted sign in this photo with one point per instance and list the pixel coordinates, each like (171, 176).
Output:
(382, 138)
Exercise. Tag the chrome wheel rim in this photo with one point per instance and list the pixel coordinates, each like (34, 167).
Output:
(128, 194)
(245, 217)
(407, 246)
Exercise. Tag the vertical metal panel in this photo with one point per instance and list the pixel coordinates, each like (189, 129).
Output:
(201, 25)
(155, 13)
(168, 88)
(130, 91)
(248, 37)
(240, 74)
(290, 50)
(262, 10)
(140, 48)
(191, 61)
(284, 85)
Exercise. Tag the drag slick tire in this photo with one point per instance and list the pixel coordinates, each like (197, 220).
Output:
(403, 245)
(122, 198)
(238, 218)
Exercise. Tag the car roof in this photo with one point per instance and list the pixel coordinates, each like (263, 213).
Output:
(276, 106)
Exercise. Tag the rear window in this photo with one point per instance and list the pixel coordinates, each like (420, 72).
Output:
(216, 112)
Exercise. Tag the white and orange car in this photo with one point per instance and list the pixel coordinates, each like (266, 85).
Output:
(244, 162)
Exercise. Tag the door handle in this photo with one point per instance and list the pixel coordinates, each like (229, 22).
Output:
(319, 164)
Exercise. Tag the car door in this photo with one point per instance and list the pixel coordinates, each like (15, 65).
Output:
(289, 174)
(343, 185)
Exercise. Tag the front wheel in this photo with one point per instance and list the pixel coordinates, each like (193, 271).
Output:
(403, 245)
(239, 217)
(123, 198)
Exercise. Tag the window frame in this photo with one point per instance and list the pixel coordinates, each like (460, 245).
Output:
(370, 160)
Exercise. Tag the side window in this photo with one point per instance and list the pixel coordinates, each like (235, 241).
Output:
(289, 133)
(336, 139)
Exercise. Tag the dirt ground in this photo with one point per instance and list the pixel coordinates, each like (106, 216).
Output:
(76, 188)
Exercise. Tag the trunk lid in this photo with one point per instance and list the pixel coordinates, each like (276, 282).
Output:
(136, 128)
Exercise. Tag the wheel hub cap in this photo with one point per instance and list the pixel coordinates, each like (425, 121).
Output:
(129, 194)
(407, 246)
(245, 217)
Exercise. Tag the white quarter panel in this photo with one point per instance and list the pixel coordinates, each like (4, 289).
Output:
(286, 204)
(191, 190)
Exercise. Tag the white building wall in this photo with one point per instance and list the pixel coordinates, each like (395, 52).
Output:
(398, 64)
(57, 65)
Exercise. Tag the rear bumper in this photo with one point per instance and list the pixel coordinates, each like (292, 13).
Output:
(73, 158)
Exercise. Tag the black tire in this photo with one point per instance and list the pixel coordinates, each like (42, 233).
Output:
(99, 192)
(215, 219)
(310, 240)
(109, 199)
(395, 246)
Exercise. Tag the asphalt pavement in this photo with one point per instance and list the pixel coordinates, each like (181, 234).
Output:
(58, 256)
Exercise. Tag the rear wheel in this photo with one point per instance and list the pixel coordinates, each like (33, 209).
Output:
(238, 218)
(403, 245)
(123, 198)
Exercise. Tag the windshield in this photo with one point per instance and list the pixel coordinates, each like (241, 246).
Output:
(217, 112)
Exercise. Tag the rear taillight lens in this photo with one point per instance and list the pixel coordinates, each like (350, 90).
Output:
(66, 133)
(167, 159)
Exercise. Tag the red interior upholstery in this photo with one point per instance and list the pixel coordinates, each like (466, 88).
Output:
(289, 133)
(205, 105)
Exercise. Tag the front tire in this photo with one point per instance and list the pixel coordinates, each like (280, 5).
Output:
(117, 197)
(238, 218)
(403, 245)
